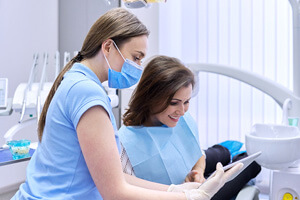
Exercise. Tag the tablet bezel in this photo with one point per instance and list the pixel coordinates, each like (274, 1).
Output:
(246, 162)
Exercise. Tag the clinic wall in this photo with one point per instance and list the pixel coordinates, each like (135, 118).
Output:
(31, 26)
(150, 17)
(34, 26)
(26, 27)
(76, 18)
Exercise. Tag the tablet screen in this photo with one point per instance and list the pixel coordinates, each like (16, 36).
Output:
(246, 161)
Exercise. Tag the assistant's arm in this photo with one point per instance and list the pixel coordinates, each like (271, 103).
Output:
(96, 137)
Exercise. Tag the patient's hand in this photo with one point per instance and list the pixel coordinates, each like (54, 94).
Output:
(195, 176)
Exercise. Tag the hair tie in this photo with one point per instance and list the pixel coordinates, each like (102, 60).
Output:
(78, 57)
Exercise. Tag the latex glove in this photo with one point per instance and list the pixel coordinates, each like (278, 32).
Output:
(195, 176)
(208, 189)
(183, 187)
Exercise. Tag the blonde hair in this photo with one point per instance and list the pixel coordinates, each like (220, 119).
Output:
(117, 24)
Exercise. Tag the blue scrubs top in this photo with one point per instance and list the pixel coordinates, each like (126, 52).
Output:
(57, 169)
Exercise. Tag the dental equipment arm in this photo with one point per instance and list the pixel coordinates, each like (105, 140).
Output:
(268, 86)
(28, 86)
(295, 5)
(275, 90)
(67, 58)
(57, 64)
(41, 87)
(13, 130)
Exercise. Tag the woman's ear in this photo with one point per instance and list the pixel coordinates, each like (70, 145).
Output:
(106, 46)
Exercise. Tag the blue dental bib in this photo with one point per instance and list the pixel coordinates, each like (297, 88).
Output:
(162, 154)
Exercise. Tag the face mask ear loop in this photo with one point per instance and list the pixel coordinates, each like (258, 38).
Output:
(107, 61)
(119, 50)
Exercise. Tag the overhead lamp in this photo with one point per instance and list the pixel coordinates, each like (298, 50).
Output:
(140, 3)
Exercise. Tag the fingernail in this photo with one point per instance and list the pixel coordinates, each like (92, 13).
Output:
(220, 164)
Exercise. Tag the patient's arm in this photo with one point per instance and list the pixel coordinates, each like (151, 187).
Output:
(197, 172)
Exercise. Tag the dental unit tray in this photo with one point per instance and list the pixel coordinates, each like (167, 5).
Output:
(246, 161)
(7, 158)
(31, 97)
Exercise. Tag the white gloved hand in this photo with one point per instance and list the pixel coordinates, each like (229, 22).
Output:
(183, 187)
(209, 188)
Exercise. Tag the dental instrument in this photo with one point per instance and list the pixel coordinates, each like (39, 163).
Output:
(29, 98)
(28, 87)
(57, 64)
(41, 87)
(67, 58)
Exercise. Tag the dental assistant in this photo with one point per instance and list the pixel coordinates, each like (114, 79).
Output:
(77, 156)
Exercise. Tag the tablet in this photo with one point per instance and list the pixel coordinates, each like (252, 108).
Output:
(246, 161)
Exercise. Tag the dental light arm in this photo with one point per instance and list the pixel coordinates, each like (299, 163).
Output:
(268, 86)
(289, 101)
(295, 5)
(275, 90)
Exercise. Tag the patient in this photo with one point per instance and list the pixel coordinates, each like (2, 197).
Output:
(160, 139)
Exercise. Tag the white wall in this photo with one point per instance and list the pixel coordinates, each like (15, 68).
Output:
(31, 26)
(149, 17)
(75, 20)
(26, 27)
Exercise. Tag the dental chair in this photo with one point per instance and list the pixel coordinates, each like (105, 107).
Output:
(248, 193)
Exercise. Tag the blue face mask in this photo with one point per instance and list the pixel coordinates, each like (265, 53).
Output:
(130, 74)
